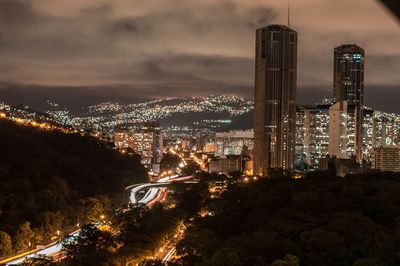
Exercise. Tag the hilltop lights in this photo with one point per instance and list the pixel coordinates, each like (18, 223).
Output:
(98, 115)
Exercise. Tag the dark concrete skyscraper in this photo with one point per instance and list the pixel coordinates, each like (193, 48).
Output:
(349, 74)
(349, 86)
(275, 98)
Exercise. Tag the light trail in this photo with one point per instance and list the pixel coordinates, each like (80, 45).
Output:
(169, 255)
(157, 192)
(47, 251)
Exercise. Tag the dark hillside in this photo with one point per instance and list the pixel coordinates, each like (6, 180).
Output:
(51, 181)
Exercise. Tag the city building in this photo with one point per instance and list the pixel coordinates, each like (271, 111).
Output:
(148, 144)
(123, 138)
(387, 158)
(233, 142)
(146, 140)
(385, 130)
(225, 165)
(340, 167)
(338, 130)
(275, 99)
(349, 86)
(368, 134)
(312, 138)
(318, 130)
(209, 147)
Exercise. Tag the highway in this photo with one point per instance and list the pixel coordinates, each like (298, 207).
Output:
(48, 250)
(154, 192)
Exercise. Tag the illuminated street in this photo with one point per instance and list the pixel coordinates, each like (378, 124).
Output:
(155, 192)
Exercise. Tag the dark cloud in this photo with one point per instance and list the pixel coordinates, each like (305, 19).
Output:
(149, 49)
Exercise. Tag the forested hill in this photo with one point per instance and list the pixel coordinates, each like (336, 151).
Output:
(51, 181)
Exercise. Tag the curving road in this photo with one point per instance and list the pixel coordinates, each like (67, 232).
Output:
(156, 192)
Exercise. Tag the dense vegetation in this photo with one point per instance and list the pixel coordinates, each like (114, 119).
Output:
(317, 220)
(51, 181)
(136, 235)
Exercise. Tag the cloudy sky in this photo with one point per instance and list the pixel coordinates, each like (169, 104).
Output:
(141, 49)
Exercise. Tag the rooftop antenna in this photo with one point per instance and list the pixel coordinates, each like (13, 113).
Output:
(288, 14)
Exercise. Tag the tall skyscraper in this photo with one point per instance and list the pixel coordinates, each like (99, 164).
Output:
(275, 99)
(349, 86)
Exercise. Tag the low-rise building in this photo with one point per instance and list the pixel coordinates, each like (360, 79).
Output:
(225, 165)
(387, 158)
(233, 142)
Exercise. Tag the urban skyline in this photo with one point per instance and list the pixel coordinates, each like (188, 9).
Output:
(319, 36)
(198, 180)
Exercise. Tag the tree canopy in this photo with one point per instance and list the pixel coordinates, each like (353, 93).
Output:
(50, 182)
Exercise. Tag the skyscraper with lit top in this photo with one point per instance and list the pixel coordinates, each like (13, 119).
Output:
(275, 99)
(349, 87)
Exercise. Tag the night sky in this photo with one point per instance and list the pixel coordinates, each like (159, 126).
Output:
(94, 50)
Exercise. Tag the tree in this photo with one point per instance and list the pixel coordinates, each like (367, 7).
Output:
(94, 209)
(224, 258)
(91, 247)
(322, 248)
(24, 237)
(288, 260)
(151, 263)
(5, 244)
(169, 162)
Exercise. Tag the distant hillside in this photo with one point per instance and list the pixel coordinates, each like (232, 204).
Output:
(213, 112)
(51, 181)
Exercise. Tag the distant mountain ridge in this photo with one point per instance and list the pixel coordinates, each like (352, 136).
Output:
(218, 112)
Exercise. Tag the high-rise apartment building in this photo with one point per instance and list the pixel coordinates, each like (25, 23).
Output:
(323, 126)
(349, 86)
(338, 130)
(385, 130)
(312, 137)
(368, 133)
(146, 140)
(275, 99)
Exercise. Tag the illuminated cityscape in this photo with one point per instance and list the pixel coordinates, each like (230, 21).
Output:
(199, 132)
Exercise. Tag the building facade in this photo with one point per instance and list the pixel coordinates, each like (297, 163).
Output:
(146, 140)
(387, 158)
(233, 142)
(338, 130)
(275, 99)
(312, 140)
(321, 126)
(349, 86)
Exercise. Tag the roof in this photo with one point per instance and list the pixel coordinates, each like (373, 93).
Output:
(276, 27)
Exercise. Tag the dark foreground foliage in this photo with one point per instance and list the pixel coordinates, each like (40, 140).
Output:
(317, 220)
(51, 181)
